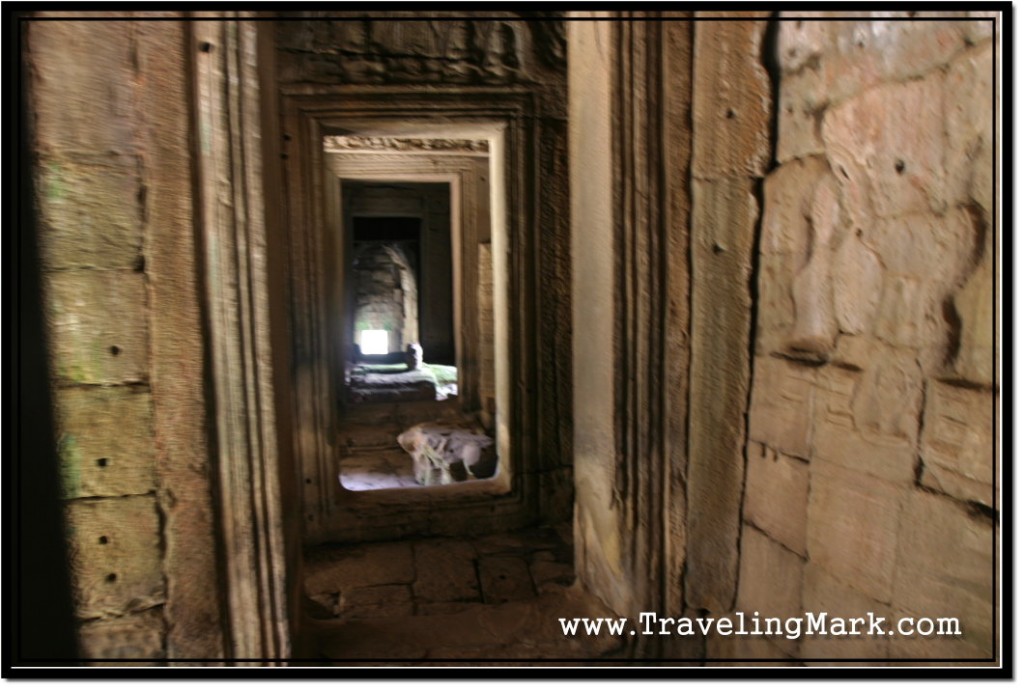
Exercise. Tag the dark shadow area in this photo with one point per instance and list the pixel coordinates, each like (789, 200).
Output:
(43, 631)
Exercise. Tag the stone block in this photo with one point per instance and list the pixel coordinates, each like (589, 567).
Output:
(115, 554)
(896, 50)
(342, 569)
(801, 108)
(886, 458)
(90, 213)
(871, 398)
(824, 593)
(83, 85)
(974, 305)
(887, 145)
(134, 637)
(775, 316)
(856, 285)
(970, 110)
(945, 567)
(376, 601)
(888, 398)
(788, 197)
(98, 459)
(98, 325)
(771, 578)
(730, 114)
(505, 579)
(924, 246)
(550, 574)
(781, 407)
(801, 41)
(852, 525)
(775, 496)
(724, 219)
(446, 572)
(866, 53)
(956, 445)
(910, 315)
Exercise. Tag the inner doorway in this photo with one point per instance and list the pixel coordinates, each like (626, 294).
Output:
(404, 421)
(399, 294)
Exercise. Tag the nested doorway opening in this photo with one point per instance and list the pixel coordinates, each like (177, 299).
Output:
(480, 143)
(417, 399)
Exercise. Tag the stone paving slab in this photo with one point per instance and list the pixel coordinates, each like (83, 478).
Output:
(446, 571)
(341, 568)
(505, 579)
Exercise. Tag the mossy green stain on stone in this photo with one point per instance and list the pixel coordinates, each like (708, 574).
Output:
(74, 372)
(55, 187)
(70, 466)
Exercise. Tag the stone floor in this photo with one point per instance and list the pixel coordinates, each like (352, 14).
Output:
(494, 599)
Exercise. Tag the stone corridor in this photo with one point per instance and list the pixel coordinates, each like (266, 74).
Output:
(718, 289)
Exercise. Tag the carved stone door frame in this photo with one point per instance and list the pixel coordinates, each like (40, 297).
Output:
(250, 446)
(666, 158)
(504, 116)
(460, 172)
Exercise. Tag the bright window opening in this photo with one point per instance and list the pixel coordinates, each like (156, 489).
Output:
(373, 342)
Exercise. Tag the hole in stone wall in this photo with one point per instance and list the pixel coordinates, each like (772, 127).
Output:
(103, 540)
(111, 577)
(900, 166)
(101, 462)
(115, 350)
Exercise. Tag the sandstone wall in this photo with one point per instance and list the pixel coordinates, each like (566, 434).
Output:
(109, 113)
(869, 481)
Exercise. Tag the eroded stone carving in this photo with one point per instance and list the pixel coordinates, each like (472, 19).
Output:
(414, 356)
(455, 51)
(814, 332)
(443, 454)
(548, 32)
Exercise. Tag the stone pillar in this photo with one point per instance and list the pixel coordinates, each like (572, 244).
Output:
(629, 155)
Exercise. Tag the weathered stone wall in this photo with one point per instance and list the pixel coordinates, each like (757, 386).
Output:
(869, 481)
(109, 103)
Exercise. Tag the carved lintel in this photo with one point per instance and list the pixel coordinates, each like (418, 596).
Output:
(548, 30)
(349, 143)
(405, 50)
